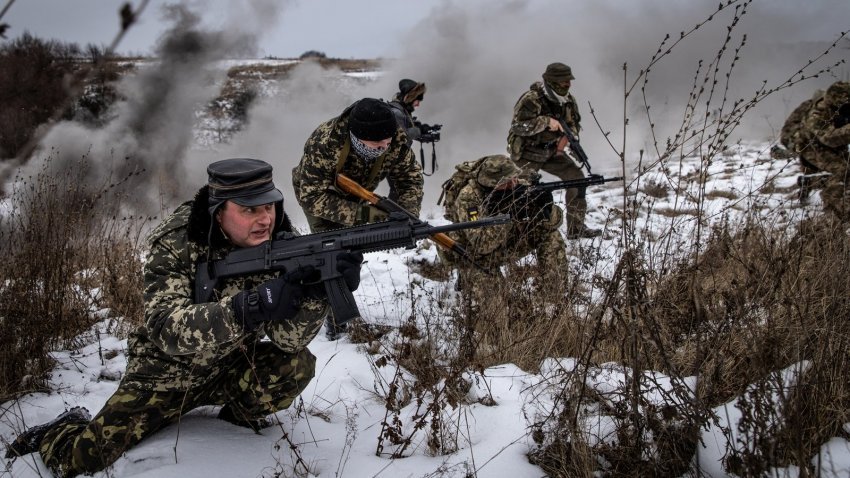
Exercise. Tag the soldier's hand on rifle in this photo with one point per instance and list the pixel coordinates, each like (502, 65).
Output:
(555, 125)
(348, 264)
(278, 299)
(535, 206)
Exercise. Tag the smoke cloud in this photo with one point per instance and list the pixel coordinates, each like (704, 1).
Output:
(476, 57)
(144, 145)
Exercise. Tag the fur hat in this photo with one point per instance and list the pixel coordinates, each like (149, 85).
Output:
(372, 120)
(410, 90)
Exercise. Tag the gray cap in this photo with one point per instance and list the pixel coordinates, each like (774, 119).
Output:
(245, 181)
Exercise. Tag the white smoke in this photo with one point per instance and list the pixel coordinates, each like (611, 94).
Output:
(476, 57)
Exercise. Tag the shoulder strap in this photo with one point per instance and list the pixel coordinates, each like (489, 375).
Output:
(343, 155)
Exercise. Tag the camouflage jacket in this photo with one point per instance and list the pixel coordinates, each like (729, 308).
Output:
(529, 137)
(405, 120)
(821, 143)
(314, 178)
(504, 242)
(182, 343)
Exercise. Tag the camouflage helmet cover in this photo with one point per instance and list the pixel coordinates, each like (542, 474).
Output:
(495, 169)
(838, 93)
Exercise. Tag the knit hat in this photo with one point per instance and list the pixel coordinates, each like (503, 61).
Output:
(495, 169)
(410, 90)
(372, 120)
(557, 72)
(245, 181)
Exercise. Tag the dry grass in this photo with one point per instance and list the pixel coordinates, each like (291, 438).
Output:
(62, 242)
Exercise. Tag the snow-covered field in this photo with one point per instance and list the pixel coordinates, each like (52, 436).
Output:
(337, 420)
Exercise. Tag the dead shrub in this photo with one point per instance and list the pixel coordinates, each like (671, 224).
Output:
(64, 253)
(655, 189)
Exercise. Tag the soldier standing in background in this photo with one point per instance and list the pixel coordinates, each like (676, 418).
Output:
(535, 130)
(534, 228)
(404, 103)
(189, 354)
(410, 95)
(819, 132)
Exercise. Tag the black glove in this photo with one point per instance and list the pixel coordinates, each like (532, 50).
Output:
(348, 264)
(276, 300)
(535, 205)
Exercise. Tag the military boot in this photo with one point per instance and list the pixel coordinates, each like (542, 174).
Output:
(29, 441)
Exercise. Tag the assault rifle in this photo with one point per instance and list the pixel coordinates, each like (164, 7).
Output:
(569, 139)
(525, 202)
(320, 250)
(590, 180)
(389, 206)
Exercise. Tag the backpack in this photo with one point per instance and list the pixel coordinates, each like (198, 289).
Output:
(451, 188)
(790, 135)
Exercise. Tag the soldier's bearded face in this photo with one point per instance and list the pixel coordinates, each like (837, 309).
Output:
(246, 226)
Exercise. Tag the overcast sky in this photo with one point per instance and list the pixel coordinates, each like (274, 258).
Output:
(340, 28)
(351, 29)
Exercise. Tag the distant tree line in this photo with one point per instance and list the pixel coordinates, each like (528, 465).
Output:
(34, 74)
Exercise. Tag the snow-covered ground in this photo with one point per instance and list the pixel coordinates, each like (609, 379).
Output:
(337, 420)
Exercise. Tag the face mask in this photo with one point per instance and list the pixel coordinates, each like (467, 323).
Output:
(364, 151)
(560, 90)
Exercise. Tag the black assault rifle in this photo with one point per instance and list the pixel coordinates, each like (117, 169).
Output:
(525, 202)
(590, 180)
(569, 139)
(320, 250)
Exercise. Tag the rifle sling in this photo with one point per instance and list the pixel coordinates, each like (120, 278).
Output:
(343, 156)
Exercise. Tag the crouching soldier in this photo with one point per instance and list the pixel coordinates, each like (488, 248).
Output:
(497, 187)
(189, 354)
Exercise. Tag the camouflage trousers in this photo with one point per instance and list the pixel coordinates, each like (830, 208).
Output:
(318, 224)
(565, 169)
(547, 245)
(260, 380)
(834, 193)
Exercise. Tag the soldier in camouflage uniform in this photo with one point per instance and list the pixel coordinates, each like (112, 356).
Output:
(189, 354)
(534, 228)
(535, 132)
(821, 138)
(365, 144)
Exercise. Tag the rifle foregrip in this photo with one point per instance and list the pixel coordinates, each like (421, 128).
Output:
(445, 241)
(342, 300)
